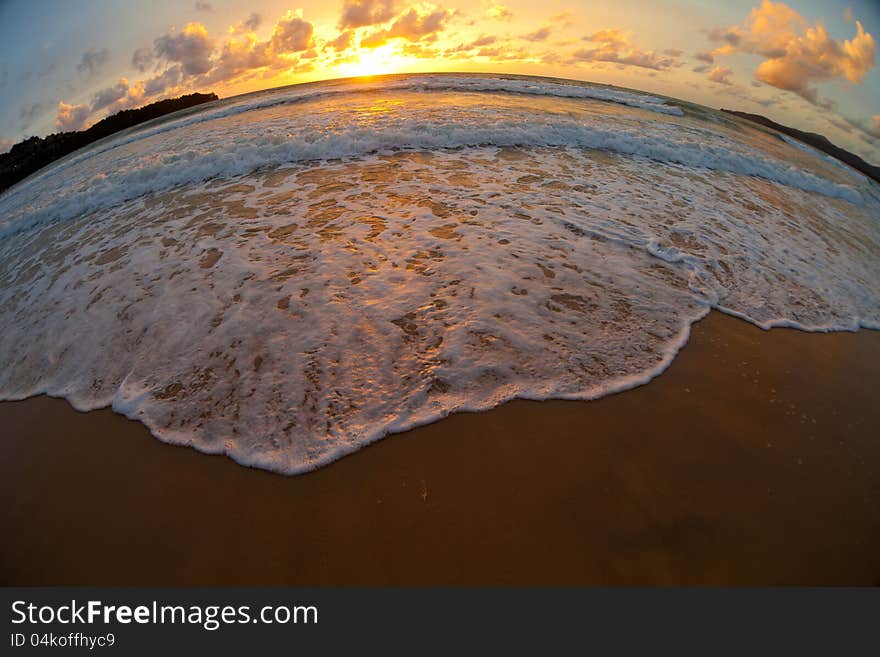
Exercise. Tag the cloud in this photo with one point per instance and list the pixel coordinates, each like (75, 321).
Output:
(499, 12)
(479, 43)
(253, 22)
(868, 129)
(191, 58)
(730, 36)
(92, 60)
(166, 80)
(700, 69)
(541, 34)
(250, 24)
(110, 95)
(564, 18)
(361, 13)
(341, 42)
(47, 70)
(142, 58)
(484, 40)
(720, 74)
(797, 54)
(5, 145)
(420, 50)
(292, 34)
(841, 124)
(412, 26)
(29, 112)
(614, 46)
(192, 48)
(705, 57)
(243, 54)
(204, 6)
(238, 57)
(71, 117)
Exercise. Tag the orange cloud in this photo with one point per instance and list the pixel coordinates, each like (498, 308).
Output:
(292, 34)
(481, 42)
(720, 74)
(564, 18)
(192, 48)
(499, 12)
(341, 42)
(238, 55)
(71, 117)
(541, 34)
(797, 54)
(192, 58)
(361, 13)
(412, 25)
(110, 95)
(614, 46)
(168, 79)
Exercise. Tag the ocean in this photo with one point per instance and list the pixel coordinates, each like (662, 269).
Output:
(287, 276)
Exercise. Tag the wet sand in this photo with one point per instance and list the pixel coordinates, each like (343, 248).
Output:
(755, 459)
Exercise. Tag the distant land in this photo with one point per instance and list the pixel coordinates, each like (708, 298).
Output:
(817, 141)
(34, 153)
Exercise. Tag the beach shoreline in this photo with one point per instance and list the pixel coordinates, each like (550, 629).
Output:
(752, 459)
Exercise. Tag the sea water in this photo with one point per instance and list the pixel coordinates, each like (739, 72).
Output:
(287, 276)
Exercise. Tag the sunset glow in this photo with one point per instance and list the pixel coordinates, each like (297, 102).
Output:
(556, 293)
(373, 61)
(802, 62)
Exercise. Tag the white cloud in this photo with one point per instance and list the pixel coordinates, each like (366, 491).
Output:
(797, 54)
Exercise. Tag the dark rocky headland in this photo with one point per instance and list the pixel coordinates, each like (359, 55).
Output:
(34, 153)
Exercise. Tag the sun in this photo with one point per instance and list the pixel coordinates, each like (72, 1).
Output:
(374, 61)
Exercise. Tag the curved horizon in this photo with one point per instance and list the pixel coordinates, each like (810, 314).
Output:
(806, 63)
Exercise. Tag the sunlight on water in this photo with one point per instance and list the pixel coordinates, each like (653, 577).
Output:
(287, 280)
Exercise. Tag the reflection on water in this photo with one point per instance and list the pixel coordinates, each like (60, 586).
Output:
(294, 312)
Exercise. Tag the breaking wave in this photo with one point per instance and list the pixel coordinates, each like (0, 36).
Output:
(286, 281)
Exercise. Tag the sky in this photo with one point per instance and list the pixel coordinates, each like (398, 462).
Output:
(65, 64)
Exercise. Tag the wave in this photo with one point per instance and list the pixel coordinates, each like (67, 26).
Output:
(147, 162)
(287, 284)
(307, 92)
(290, 316)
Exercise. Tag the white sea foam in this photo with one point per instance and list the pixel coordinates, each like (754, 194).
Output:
(424, 83)
(236, 144)
(266, 302)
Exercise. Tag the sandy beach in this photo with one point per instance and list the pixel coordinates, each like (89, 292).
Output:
(753, 460)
